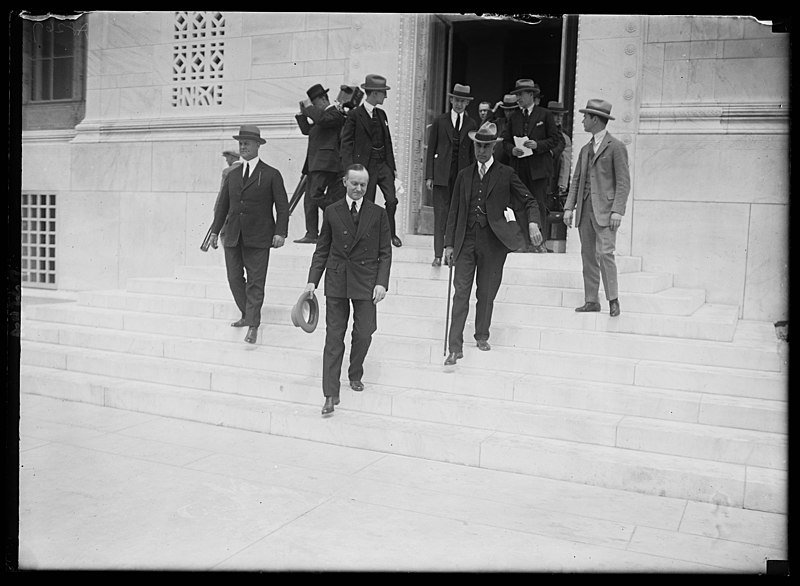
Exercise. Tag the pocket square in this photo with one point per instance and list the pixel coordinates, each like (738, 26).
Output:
(539, 123)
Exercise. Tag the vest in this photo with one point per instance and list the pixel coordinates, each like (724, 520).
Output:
(477, 200)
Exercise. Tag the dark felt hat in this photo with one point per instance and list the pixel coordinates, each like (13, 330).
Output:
(249, 132)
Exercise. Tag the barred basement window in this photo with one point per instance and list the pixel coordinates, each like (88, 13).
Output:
(198, 59)
(38, 258)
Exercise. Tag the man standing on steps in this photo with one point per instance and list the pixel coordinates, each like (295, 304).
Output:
(244, 221)
(482, 229)
(600, 187)
(366, 140)
(354, 251)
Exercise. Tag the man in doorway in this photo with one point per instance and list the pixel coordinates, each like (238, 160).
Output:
(562, 154)
(449, 151)
(507, 107)
(528, 138)
(366, 140)
(355, 253)
(485, 112)
(481, 230)
(323, 163)
(245, 222)
(599, 189)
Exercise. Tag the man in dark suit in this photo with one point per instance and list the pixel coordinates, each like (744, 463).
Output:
(507, 108)
(481, 230)
(537, 127)
(366, 140)
(600, 187)
(354, 251)
(323, 163)
(245, 223)
(449, 151)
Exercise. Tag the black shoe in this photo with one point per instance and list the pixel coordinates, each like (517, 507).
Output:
(588, 306)
(484, 345)
(396, 242)
(329, 403)
(307, 240)
(252, 335)
(357, 385)
(437, 262)
(452, 357)
(614, 307)
(239, 323)
(447, 262)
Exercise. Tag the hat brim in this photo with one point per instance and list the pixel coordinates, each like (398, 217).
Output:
(318, 94)
(463, 97)
(533, 90)
(298, 319)
(473, 133)
(258, 139)
(597, 113)
(230, 154)
(509, 107)
(373, 88)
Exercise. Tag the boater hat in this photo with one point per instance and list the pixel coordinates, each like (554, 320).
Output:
(298, 319)
(510, 102)
(487, 133)
(375, 82)
(315, 91)
(461, 91)
(598, 107)
(526, 85)
(249, 132)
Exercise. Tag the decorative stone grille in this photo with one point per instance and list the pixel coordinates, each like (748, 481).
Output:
(38, 223)
(198, 59)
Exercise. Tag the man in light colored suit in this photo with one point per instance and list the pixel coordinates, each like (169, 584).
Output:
(248, 227)
(600, 187)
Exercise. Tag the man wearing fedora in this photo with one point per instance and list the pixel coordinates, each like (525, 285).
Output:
(599, 194)
(538, 127)
(323, 163)
(366, 140)
(449, 151)
(482, 229)
(245, 223)
(562, 154)
(354, 251)
(507, 107)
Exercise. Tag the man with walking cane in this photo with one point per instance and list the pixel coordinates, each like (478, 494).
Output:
(482, 229)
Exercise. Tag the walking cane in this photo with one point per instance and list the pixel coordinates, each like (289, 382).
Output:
(298, 193)
(447, 315)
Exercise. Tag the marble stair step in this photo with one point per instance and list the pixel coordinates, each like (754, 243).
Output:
(675, 476)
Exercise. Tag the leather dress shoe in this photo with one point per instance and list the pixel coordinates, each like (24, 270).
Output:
(239, 323)
(252, 335)
(588, 306)
(484, 345)
(329, 404)
(306, 240)
(452, 357)
(357, 385)
(437, 262)
(396, 242)
(613, 307)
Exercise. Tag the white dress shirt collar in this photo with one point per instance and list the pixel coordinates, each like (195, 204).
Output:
(488, 163)
(454, 116)
(598, 138)
(369, 108)
(350, 201)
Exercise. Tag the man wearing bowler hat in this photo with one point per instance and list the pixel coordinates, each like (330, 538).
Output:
(354, 251)
(482, 229)
(245, 223)
(449, 151)
(599, 193)
(366, 140)
(323, 163)
(538, 128)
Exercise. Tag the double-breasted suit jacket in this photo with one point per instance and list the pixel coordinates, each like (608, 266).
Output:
(356, 145)
(504, 190)
(354, 259)
(253, 212)
(609, 179)
(439, 156)
(542, 128)
(323, 135)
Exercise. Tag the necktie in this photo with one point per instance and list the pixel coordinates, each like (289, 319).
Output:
(482, 170)
(354, 213)
(246, 173)
(591, 148)
(525, 118)
(458, 123)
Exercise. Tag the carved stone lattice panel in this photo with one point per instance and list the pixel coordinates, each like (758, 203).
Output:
(197, 64)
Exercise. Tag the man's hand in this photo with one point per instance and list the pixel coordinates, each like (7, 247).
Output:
(429, 184)
(517, 152)
(310, 288)
(568, 218)
(277, 241)
(378, 294)
(616, 220)
(448, 255)
(530, 143)
(213, 241)
(534, 233)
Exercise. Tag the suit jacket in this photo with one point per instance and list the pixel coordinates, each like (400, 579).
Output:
(356, 145)
(246, 211)
(440, 147)
(354, 260)
(323, 135)
(505, 190)
(609, 180)
(541, 128)
(225, 172)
